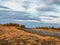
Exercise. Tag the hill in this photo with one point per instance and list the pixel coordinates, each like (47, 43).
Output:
(11, 35)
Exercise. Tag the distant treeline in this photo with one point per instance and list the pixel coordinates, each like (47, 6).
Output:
(47, 28)
(14, 24)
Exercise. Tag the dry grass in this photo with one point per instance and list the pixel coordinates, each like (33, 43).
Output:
(10, 35)
(50, 30)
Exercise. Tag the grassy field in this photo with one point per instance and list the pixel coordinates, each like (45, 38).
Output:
(10, 35)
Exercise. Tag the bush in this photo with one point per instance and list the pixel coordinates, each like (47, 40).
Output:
(22, 27)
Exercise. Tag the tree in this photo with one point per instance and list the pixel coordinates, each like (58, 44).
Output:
(22, 26)
(52, 27)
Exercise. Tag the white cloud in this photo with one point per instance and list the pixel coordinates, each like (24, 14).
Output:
(48, 19)
(27, 20)
(14, 6)
(53, 20)
(57, 8)
(33, 5)
(3, 9)
(53, 13)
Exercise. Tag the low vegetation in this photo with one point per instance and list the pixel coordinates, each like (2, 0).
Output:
(11, 35)
(54, 29)
(48, 28)
(14, 25)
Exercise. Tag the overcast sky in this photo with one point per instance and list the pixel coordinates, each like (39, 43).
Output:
(32, 13)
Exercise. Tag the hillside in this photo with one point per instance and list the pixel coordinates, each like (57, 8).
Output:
(10, 35)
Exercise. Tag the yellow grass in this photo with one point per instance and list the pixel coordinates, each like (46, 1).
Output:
(13, 36)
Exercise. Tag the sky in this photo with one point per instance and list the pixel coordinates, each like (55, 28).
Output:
(32, 13)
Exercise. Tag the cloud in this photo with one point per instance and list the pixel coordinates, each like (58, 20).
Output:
(48, 8)
(52, 2)
(16, 15)
(27, 20)
(38, 11)
(14, 6)
(51, 20)
(4, 7)
(50, 17)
